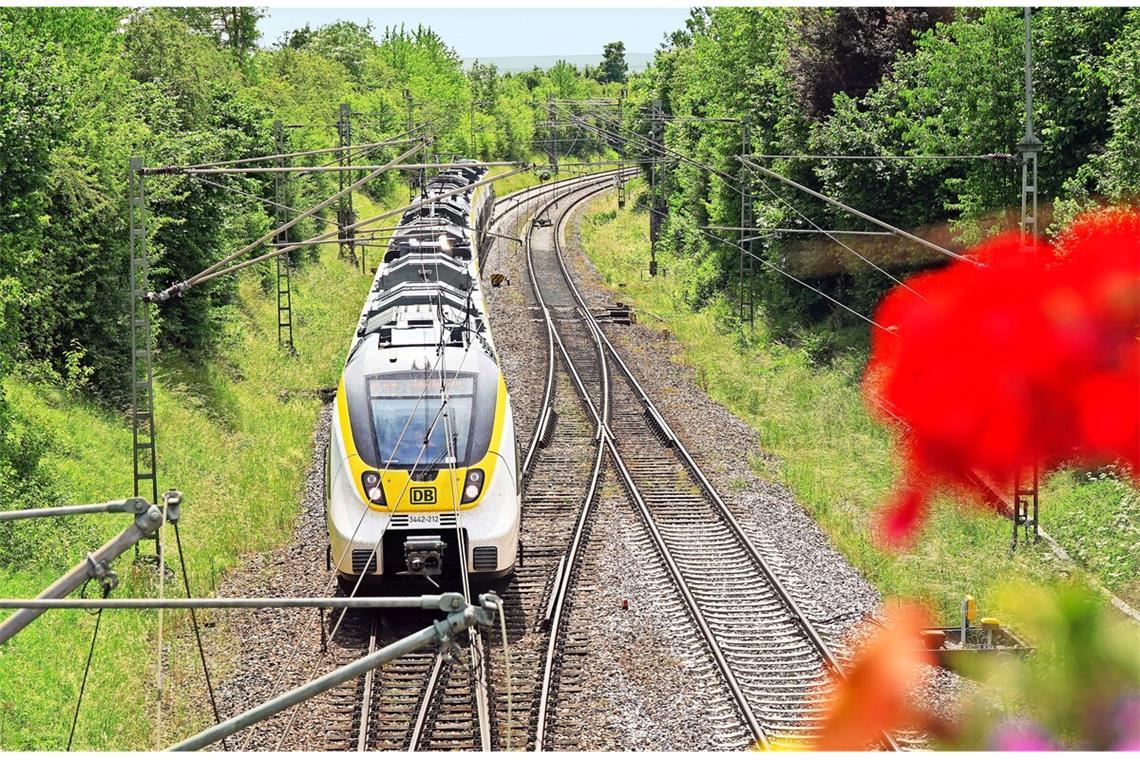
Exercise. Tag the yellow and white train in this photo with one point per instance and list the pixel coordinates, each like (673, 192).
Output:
(422, 465)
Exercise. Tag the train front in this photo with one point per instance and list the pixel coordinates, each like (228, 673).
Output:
(422, 467)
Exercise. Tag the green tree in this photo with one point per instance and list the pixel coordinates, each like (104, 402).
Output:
(232, 27)
(613, 67)
(346, 42)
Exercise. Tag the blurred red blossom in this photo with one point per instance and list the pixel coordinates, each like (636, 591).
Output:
(1019, 355)
(874, 696)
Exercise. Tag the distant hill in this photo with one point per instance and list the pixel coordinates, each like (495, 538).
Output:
(636, 61)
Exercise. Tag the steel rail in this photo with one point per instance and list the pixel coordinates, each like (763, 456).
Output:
(438, 632)
(569, 562)
(710, 490)
(369, 682)
(431, 697)
(674, 570)
(548, 391)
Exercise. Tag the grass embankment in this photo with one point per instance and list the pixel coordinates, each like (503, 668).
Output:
(234, 435)
(840, 463)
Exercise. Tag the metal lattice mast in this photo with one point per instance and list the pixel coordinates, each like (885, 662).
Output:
(656, 138)
(621, 156)
(417, 180)
(345, 215)
(552, 136)
(283, 263)
(1026, 480)
(747, 286)
(142, 347)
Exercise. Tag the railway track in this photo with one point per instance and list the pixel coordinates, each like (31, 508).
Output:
(561, 471)
(771, 658)
(426, 701)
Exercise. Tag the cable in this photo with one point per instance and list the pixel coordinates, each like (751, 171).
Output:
(251, 196)
(803, 216)
(87, 668)
(197, 633)
(161, 594)
(770, 265)
(798, 186)
(927, 157)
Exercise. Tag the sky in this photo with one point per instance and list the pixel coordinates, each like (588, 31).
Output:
(486, 32)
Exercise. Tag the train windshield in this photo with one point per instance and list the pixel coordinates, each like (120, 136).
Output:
(418, 426)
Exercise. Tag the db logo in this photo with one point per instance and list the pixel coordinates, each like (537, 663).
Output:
(424, 495)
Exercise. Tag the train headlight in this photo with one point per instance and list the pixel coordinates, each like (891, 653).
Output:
(373, 488)
(473, 486)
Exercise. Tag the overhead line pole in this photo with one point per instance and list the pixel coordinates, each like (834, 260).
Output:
(143, 437)
(747, 291)
(345, 213)
(284, 264)
(552, 149)
(620, 179)
(655, 127)
(1026, 480)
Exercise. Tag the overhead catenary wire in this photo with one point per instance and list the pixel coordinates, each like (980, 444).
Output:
(874, 157)
(856, 212)
(253, 197)
(790, 276)
(175, 169)
(213, 270)
(839, 242)
(330, 168)
(321, 238)
(839, 204)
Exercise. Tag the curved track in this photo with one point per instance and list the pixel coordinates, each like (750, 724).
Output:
(773, 661)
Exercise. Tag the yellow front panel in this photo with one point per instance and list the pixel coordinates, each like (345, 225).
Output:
(405, 495)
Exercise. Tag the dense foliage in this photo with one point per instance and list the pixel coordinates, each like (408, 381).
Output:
(84, 89)
(884, 82)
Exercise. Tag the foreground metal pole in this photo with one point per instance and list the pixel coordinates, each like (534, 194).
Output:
(450, 602)
(95, 566)
(135, 506)
(442, 632)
